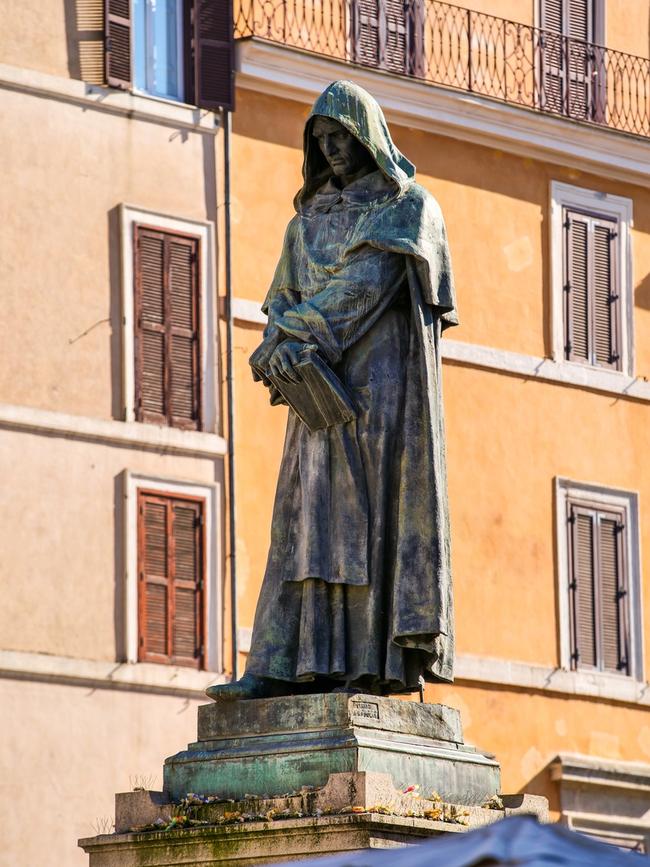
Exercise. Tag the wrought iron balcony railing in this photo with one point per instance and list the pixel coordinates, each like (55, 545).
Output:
(442, 44)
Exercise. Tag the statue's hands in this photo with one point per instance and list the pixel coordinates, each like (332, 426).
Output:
(259, 360)
(284, 359)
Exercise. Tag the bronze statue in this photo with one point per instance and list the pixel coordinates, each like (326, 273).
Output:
(357, 589)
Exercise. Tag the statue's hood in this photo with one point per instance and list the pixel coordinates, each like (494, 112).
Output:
(360, 113)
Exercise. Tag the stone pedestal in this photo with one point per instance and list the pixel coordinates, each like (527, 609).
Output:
(278, 745)
(286, 778)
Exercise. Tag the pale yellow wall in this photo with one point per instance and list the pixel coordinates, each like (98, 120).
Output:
(62, 525)
(35, 33)
(65, 751)
(64, 172)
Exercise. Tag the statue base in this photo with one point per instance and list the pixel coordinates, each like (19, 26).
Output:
(284, 778)
(277, 745)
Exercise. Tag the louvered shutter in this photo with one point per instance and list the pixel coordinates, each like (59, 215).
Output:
(592, 300)
(167, 348)
(394, 44)
(576, 286)
(186, 619)
(583, 589)
(612, 593)
(598, 589)
(183, 330)
(366, 43)
(389, 34)
(606, 301)
(552, 55)
(154, 578)
(118, 43)
(579, 30)
(214, 54)
(170, 552)
(568, 58)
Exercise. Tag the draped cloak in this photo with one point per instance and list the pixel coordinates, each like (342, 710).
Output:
(357, 587)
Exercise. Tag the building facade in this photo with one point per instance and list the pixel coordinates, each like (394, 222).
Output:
(133, 215)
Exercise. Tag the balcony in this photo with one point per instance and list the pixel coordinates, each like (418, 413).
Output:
(442, 44)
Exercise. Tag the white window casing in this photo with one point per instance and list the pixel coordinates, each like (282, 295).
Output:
(628, 502)
(209, 360)
(211, 494)
(566, 196)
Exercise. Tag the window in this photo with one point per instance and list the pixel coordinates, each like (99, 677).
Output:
(599, 580)
(591, 275)
(388, 34)
(573, 75)
(159, 47)
(170, 579)
(598, 587)
(592, 316)
(167, 329)
(174, 49)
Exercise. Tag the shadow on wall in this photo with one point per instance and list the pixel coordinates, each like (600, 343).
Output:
(541, 784)
(642, 293)
(84, 29)
(115, 288)
(119, 625)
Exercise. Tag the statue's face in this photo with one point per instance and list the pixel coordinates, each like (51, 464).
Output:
(344, 153)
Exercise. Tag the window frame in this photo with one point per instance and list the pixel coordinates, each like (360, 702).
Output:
(607, 499)
(208, 325)
(132, 483)
(609, 207)
(145, 655)
(186, 67)
(168, 419)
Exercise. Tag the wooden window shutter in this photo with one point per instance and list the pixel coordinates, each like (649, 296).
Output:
(552, 54)
(606, 300)
(118, 43)
(214, 54)
(613, 593)
(183, 331)
(394, 41)
(170, 554)
(598, 589)
(153, 583)
(576, 287)
(389, 34)
(583, 589)
(579, 30)
(568, 58)
(366, 41)
(167, 328)
(592, 309)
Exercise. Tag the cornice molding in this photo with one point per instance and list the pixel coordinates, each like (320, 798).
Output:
(107, 99)
(583, 771)
(532, 367)
(299, 75)
(100, 674)
(128, 434)
(514, 674)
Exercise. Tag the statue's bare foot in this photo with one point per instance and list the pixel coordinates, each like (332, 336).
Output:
(247, 687)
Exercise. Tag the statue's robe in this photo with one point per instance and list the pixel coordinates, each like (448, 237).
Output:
(357, 588)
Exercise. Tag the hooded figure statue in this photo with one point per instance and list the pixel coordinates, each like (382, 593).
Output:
(357, 591)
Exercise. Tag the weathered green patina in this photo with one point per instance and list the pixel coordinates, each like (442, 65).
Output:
(274, 746)
(357, 589)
